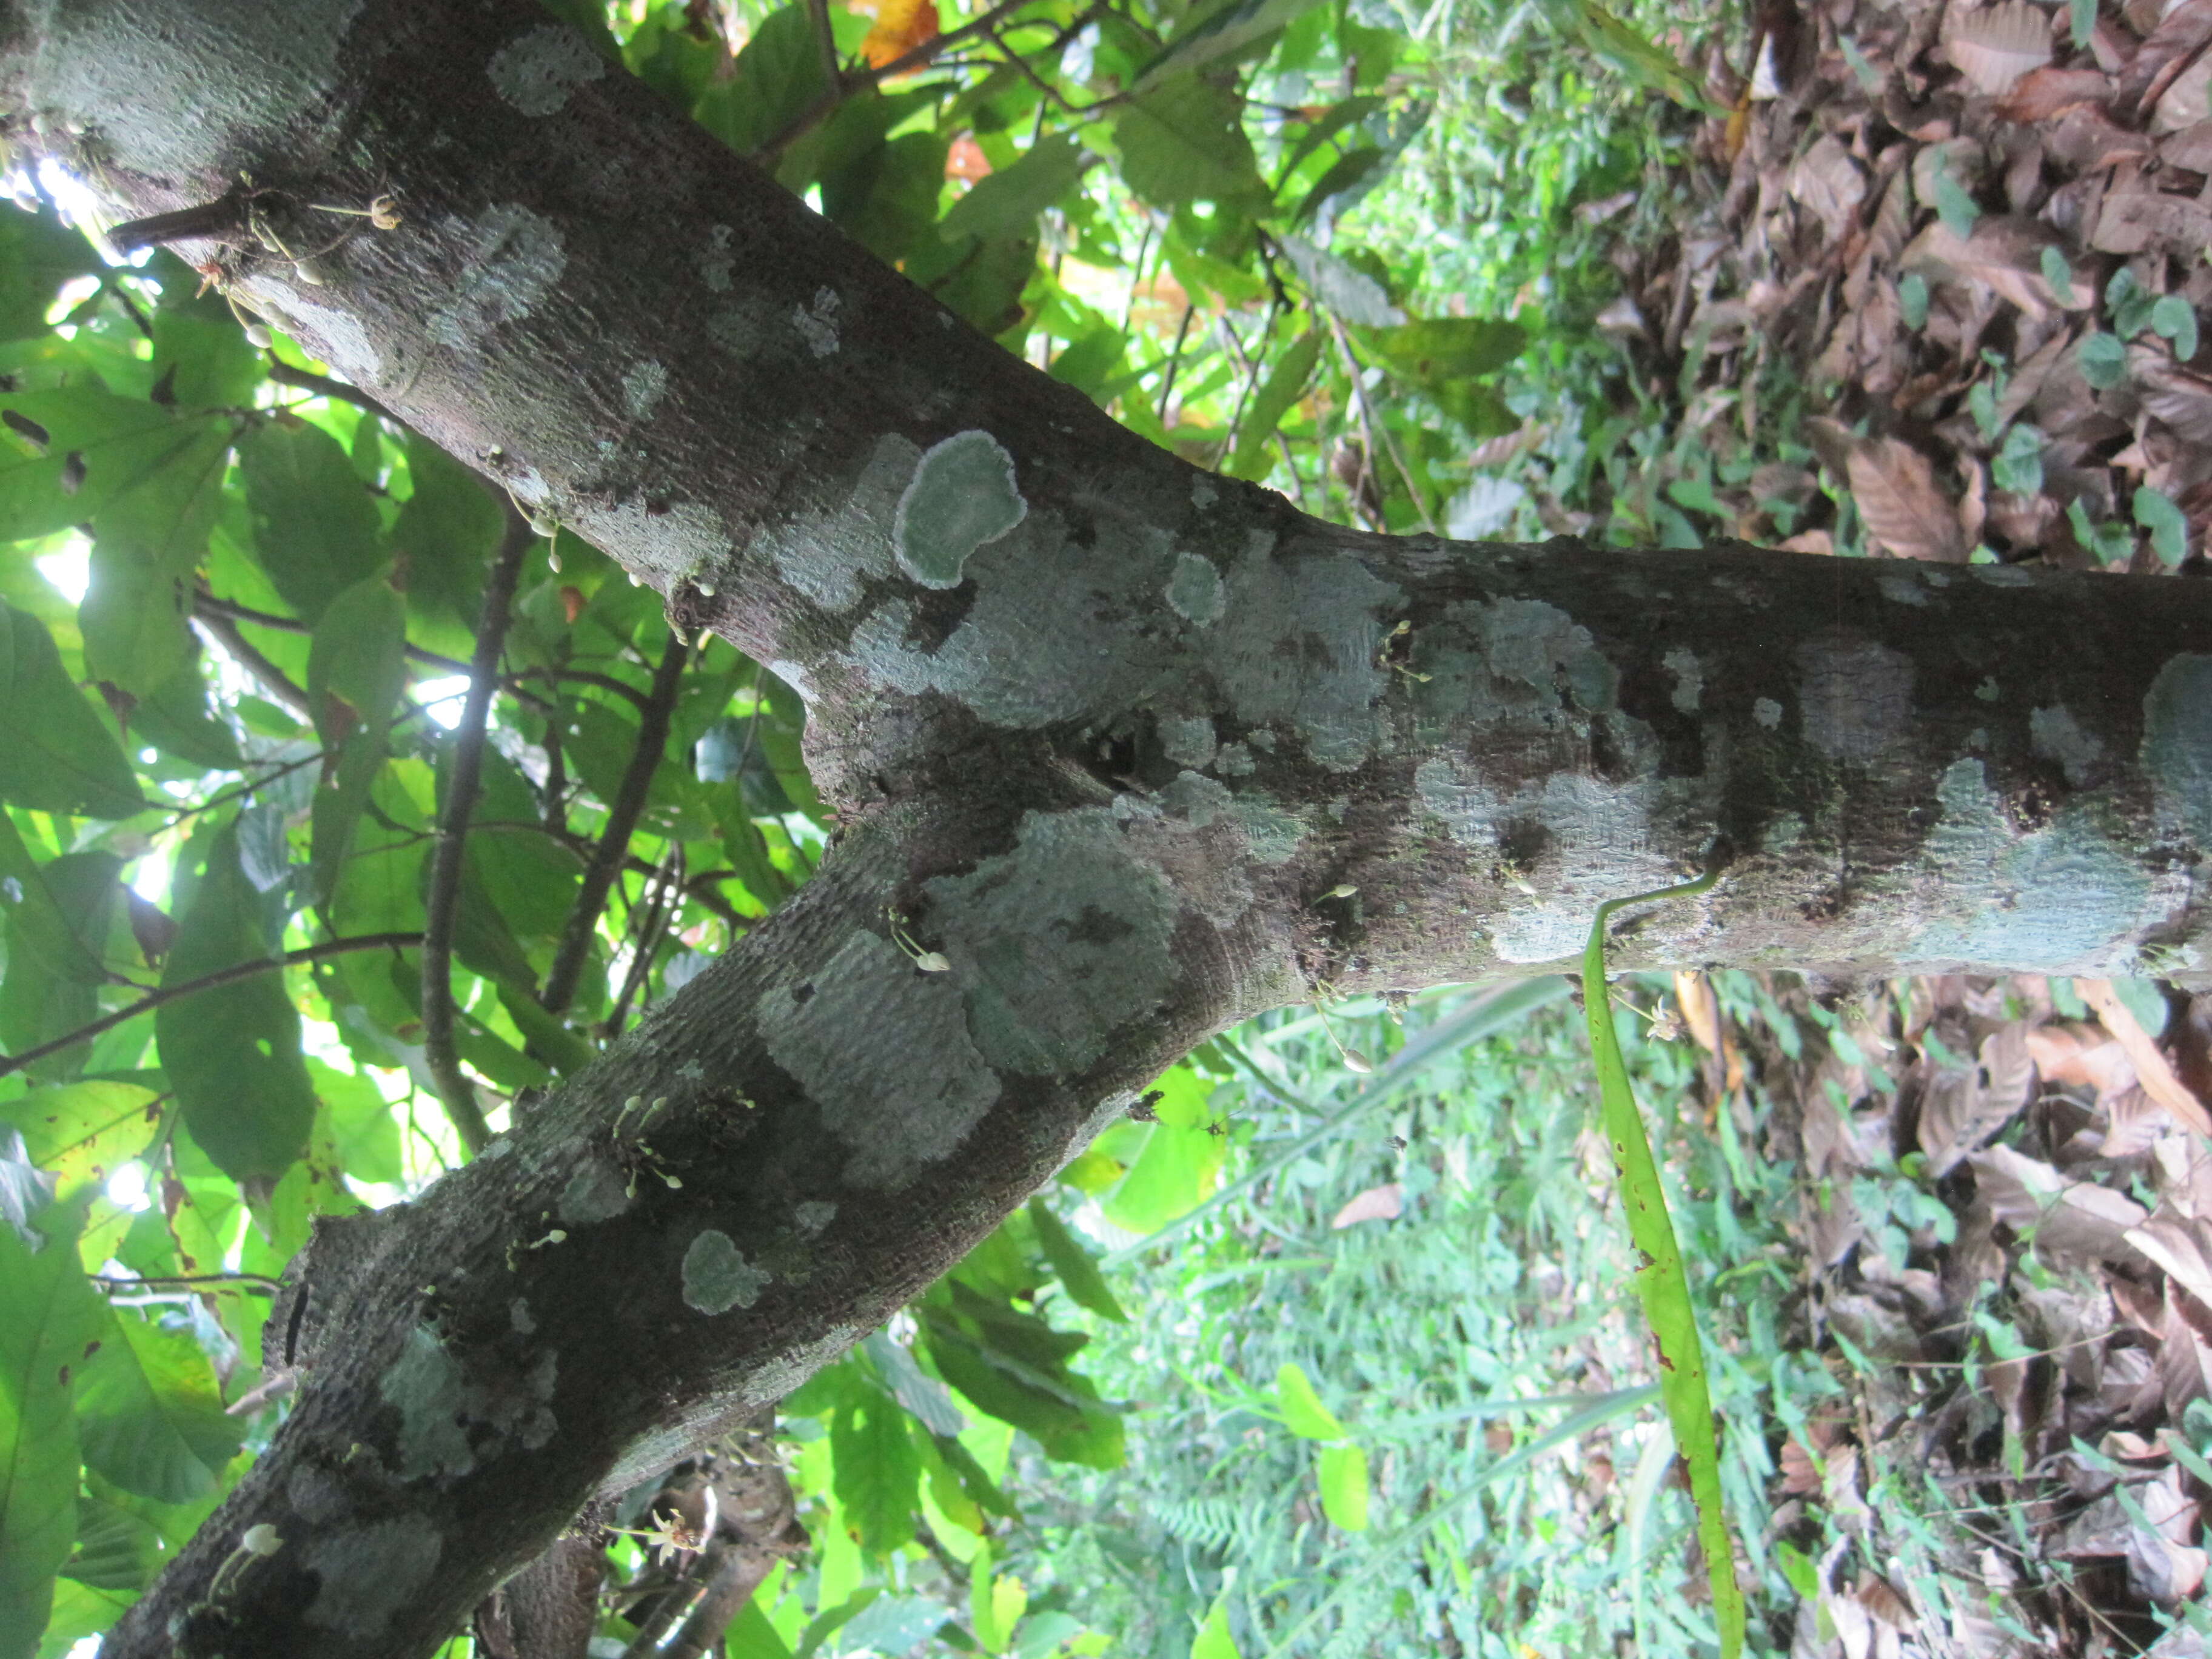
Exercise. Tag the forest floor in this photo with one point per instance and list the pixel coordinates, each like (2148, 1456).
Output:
(1942, 296)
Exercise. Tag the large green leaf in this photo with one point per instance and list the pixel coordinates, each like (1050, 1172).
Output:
(1181, 1158)
(67, 453)
(174, 717)
(1221, 31)
(445, 538)
(145, 546)
(80, 1131)
(149, 1413)
(1445, 349)
(877, 1471)
(1342, 1473)
(1285, 383)
(1078, 1273)
(38, 1003)
(231, 1053)
(776, 77)
(314, 526)
(1006, 202)
(55, 755)
(48, 1315)
(1303, 1414)
(1184, 141)
(38, 254)
(359, 658)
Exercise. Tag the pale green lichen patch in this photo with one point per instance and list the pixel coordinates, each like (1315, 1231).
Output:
(643, 386)
(1899, 588)
(425, 1386)
(2057, 736)
(2064, 898)
(814, 1215)
(825, 555)
(1273, 834)
(514, 259)
(1194, 591)
(1186, 741)
(717, 1277)
(818, 324)
(962, 496)
(1767, 713)
(369, 1573)
(1855, 696)
(1689, 679)
(717, 262)
(1058, 943)
(2177, 743)
(537, 70)
(849, 1033)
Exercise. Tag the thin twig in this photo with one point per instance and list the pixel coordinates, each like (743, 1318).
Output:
(730, 1585)
(1174, 361)
(440, 1052)
(622, 813)
(664, 906)
(323, 385)
(271, 678)
(224, 216)
(1390, 443)
(230, 975)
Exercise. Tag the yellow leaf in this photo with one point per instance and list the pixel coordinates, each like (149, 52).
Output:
(900, 26)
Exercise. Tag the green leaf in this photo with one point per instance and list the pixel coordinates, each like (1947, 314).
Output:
(1342, 1472)
(174, 717)
(38, 254)
(1332, 121)
(1661, 1285)
(145, 546)
(1051, 1409)
(1213, 1640)
(232, 1052)
(975, 1480)
(1078, 1272)
(149, 1412)
(1303, 1414)
(48, 1314)
(66, 454)
(2173, 317)
(115, 1549)
(38, 1004)
(315, 529)
(81, 1131)
(1221, 32)
(2169, 529)
(820, 1628)
(886, 201)
(360, 658)
(1006, 202)
(1635, 57)
(1345, 176)
(751, 1636)
(1184, 141)
(55, 756)
(1277, 394)
(201, 358)
(979, 279)
(1442, 349)
(878, 1473)
(363, 1132)
(444, 537)
(776, 78)
(2103, 359)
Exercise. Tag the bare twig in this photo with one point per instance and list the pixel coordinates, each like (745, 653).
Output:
(622, 812)
(439, 1049)
(229, 975)
(223, 217)
(1175, 362)
(223, 630)
(665, 906)
(842, 86)
(306, 379)
(1360, 391)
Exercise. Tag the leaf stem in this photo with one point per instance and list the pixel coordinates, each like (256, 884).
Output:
(439, 1051)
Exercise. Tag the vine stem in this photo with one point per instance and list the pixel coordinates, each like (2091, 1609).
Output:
(440, 1051)
(230, 975)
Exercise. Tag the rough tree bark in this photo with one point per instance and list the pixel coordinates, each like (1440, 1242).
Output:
(1107, 730)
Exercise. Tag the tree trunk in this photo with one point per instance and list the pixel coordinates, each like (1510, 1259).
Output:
(1140, 751)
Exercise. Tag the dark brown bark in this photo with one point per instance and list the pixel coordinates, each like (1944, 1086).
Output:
(1110, 734)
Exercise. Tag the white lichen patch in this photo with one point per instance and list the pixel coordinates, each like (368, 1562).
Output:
(1767, 713)
(716, 263)
(825, 555)
(1855, 696)
(1297, 645)
(1061, 941)
(1234, 759)
(335, 336)
(1271, 833)
(962, 495)
(1202, 492)
(813, 1216)
(2177, 746)
(2057, 736)
(643, 386)
(1195, 592)
(2062, 899)
(1689, 679)
(1899, 588)
(818, 324)
(370, 1572)
(683, 537)
(425, 1386)
(717, 1277)
(1595, 844)
(514, 259)
(519, 1319)
(598, 1191)
(849, 1033)
(537, 70)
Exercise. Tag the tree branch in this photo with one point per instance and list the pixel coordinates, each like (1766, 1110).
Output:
(223, 630)
(230, 975)
(439, 1049)
(843, 85)
(622, 814)
(323, 385)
